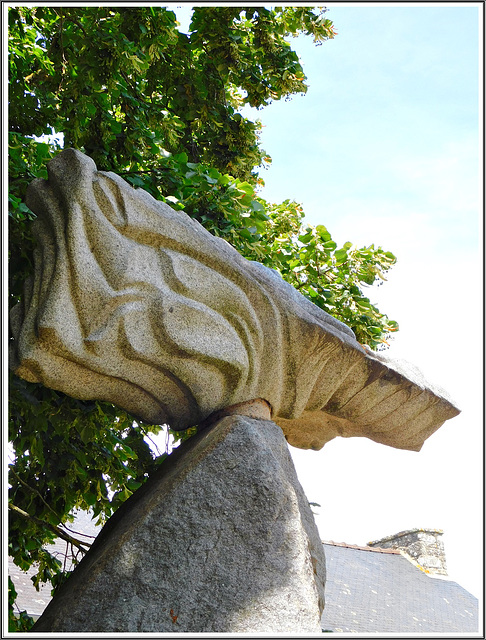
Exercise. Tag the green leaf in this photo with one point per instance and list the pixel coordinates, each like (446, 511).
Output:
(257, 206)
(341, 255)
(90, 498)
(305, 238)
(323, 233)
(133, 485)
(164, 111)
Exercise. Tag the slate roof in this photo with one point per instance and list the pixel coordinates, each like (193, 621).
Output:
(28, 598)
(371, 590)
(368, 590)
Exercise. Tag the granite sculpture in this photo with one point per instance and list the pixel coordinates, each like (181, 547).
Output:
(137, 304)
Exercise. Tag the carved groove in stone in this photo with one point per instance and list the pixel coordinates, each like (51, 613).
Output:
(137, 304)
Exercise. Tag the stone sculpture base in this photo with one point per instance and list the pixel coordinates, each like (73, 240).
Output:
(221, 539)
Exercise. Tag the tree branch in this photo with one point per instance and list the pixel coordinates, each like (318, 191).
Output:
(148, 171)
(82, 546)
(27, 486)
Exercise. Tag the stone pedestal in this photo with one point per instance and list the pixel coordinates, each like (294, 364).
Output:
(221, 539)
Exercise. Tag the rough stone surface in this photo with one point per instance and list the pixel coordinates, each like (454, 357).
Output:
(221, 539)
(423, 546)
(137, 304)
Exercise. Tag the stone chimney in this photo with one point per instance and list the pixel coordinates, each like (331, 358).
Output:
(422, 546)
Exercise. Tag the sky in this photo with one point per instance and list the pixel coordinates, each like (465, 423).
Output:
(384, 149)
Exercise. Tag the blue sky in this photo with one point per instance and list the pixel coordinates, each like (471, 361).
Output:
(385, 148)
(390, 112)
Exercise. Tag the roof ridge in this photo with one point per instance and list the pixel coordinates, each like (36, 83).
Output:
(361, 548)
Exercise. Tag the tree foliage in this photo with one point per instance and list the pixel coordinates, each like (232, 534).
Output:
(162, 109)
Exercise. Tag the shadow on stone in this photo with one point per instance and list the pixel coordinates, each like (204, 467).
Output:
(221, 539)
